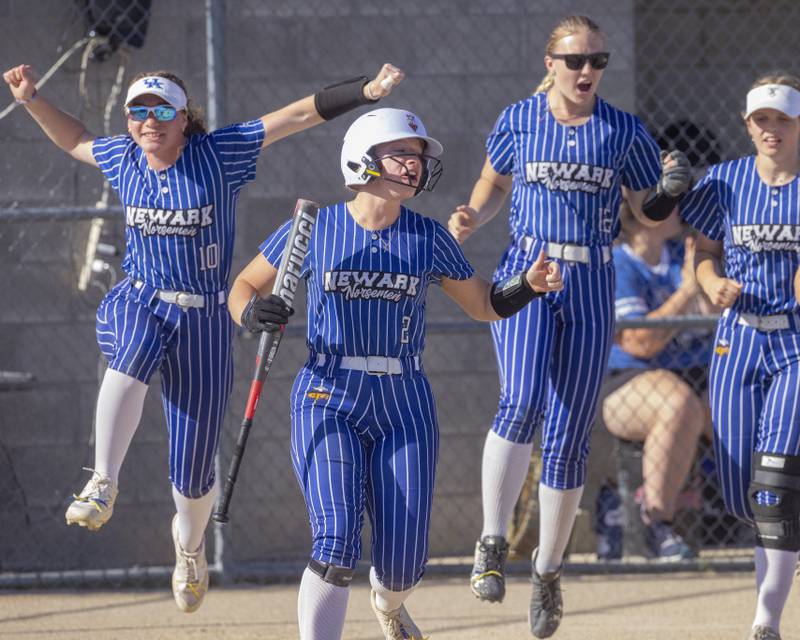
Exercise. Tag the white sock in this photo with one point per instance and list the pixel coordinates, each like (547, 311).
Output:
(193, 517)
(321, 608)
(387, 600)
(557, 510)
(119, 409)
(505, 466)
(774, 574)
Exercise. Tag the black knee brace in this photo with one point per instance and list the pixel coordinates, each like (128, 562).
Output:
(777, 525)
(340, 576)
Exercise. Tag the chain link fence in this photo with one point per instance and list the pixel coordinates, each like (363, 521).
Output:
(684, 67)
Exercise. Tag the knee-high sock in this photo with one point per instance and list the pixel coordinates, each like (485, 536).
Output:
(387, 600)
(193, 517)
(774, 574)
(321, 608)
(557, 510)
(119, 409)
(505, 465)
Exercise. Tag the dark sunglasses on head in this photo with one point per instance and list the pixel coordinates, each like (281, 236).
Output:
(576, 61)
(161, 112)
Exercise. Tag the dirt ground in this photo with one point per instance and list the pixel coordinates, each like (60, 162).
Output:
(705, 606)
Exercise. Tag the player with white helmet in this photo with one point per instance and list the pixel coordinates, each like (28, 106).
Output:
(364, 430)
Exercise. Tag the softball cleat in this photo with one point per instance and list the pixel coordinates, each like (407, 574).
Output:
(93, 507)
(190, 577)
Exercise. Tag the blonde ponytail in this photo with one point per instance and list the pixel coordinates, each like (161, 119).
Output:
(547, 82)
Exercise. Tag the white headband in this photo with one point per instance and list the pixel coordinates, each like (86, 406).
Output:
(157, 86)
(774, 96)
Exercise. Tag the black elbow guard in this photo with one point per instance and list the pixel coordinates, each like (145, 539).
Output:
(510, 295)
(340, 98)
(657, 207)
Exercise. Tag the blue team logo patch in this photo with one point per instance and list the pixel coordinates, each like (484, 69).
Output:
(153, 83)
(723, 347)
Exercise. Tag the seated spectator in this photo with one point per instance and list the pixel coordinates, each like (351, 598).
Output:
(657, 377)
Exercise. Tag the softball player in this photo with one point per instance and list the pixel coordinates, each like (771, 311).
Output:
(179, 186)
(567, 158)
(364, 430)
(749, 213)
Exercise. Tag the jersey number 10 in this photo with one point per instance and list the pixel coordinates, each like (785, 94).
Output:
(209, 257)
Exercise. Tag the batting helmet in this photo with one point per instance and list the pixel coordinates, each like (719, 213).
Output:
(359, 165)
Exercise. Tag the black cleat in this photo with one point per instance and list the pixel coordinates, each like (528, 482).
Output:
(488, 581)
(546, 604)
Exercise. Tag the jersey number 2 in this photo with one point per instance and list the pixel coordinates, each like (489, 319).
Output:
(404, 330)
(209, 256)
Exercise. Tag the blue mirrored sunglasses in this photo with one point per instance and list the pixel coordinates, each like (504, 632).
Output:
(161, 112)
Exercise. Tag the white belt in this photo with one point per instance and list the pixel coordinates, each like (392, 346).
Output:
(764, 323)
(374, 365)
(568, 252)
(183, 299)
(575, 252)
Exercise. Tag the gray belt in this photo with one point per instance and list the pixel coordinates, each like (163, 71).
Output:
(567, 252)
(183, 299)
(374, 365)
(764, 323)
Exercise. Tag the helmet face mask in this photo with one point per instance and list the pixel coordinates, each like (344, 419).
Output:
(430, 169)
(360, 165)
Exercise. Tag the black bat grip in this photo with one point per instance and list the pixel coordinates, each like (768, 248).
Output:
(221, 514)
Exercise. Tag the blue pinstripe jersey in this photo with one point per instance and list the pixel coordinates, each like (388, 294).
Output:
(642, 288)
(567, 178)
(366, 289)
(180, 221)
(760, 229)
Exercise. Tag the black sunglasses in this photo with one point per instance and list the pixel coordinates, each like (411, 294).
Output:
(576, 61)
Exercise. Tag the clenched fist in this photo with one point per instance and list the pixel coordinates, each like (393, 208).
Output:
(675, 173)
(22, 82)
(544, 276)
(463, 222)
(723, 292)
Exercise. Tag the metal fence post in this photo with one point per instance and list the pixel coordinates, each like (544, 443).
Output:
(215, 64)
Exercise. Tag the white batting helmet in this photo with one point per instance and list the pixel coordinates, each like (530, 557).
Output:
(385, 125)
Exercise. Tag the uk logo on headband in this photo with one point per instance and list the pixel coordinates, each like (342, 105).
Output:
(161, 87)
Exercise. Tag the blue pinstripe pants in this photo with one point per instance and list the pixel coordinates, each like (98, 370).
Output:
(140, 334)
(755, 404)
(552, 357)
(361, 440)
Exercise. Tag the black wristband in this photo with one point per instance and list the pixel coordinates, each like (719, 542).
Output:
(512, 294)
(657, 207)
(340, 98)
